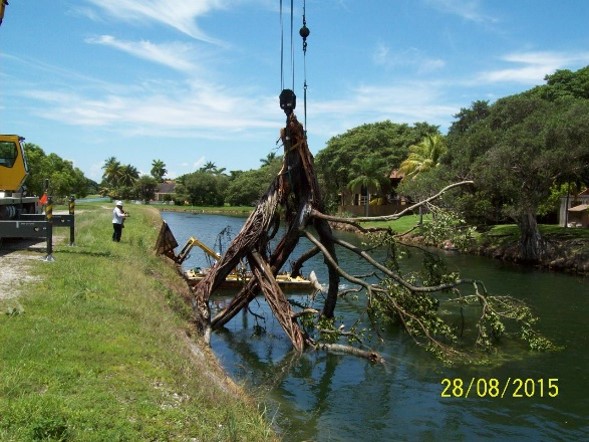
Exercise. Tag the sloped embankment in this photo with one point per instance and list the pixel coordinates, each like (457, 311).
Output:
(101, 347)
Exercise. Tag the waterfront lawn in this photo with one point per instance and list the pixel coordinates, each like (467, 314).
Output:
(400, 225)
(545, 229)
(97, 348)
(223, 210)
(407, 222)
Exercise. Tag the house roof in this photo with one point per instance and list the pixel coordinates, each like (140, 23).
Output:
(579, 208)
(166, 187)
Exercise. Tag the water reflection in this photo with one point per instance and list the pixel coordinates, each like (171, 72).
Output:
(323, 397)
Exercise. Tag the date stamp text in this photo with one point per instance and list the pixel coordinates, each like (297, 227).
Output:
(499, 388)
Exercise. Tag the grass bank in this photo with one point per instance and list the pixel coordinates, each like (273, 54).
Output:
(221, 210)
(566, 249)
(98, 348)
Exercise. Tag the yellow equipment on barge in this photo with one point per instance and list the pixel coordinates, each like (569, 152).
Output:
(166, 243)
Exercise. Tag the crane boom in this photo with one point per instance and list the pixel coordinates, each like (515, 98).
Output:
(3, 4)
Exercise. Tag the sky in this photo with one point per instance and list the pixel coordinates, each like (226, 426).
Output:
(195, 81)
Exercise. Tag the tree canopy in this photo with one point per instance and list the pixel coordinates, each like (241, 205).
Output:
(246, 188)
(519, 148)
(424, 155)
(158, 170)
(64, 179)
(386, 143)
(202, 188)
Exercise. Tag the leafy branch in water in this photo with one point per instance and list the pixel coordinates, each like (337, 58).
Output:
(455, 319)
(447, 229)
(465, 328)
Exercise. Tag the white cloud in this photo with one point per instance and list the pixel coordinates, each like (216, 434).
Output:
(534, 66)
(178, 14)
(199, 163)
(470, 10)
(167, 108)
(408, 102)
(178, 56)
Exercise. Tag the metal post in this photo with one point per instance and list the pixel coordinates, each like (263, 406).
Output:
(49, 219)
(72, 207)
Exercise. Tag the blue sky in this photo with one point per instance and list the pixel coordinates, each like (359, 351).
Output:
(194, 81)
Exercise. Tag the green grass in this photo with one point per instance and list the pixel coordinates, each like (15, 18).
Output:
(400, 225)
(545, 229)
(98, 349)
(225, 210)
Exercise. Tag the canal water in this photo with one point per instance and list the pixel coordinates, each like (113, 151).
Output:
(327, 397)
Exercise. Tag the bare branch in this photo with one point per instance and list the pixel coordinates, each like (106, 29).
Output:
(355, 221)
(352, 279)
(397, 278)
(348, 349)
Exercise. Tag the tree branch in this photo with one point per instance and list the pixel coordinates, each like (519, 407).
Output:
(355, 221)
(372, 356)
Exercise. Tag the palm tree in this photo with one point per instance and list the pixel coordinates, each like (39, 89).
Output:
(424, 155)
(368, 178)
(158, 170)
(268, 160)
(210, 167)
(112, 171)
(129, 175)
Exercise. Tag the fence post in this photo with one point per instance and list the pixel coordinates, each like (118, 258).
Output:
(72, 207)
(49, 219)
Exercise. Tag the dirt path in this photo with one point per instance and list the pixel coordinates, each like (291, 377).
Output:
(16, 260)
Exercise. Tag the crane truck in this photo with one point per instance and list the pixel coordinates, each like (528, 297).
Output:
(20, 214)
(13, 172)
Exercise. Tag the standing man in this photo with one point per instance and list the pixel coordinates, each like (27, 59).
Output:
(118, 218)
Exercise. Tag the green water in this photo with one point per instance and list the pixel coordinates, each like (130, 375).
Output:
(326, 397)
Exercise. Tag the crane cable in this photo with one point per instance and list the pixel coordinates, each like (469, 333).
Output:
(287, 96)
(304, 33)
(282, 45)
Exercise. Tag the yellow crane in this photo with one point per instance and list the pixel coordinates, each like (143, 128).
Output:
(13, 172)
(20, 215)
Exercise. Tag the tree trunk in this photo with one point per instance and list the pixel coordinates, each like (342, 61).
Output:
(297, 191)
(531, 242)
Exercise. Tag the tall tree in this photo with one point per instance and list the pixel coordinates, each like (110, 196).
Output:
(424, 155)
(247, 187)
(210, 167)
(386, 142)
(369, 177)
(158, 170)
(112, 171)
(269, 159)
(128, 175)
(202, 188)
(527, 145)
(64, 179)
(145, 188)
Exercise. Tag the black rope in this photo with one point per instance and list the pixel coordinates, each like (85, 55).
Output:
(304, 33)
(287, 96)
(292, 59)
(281, 49)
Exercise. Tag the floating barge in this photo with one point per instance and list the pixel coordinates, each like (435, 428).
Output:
(236, 280)
(166, 243)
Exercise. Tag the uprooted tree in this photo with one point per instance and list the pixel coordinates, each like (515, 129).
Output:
(414, 301)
